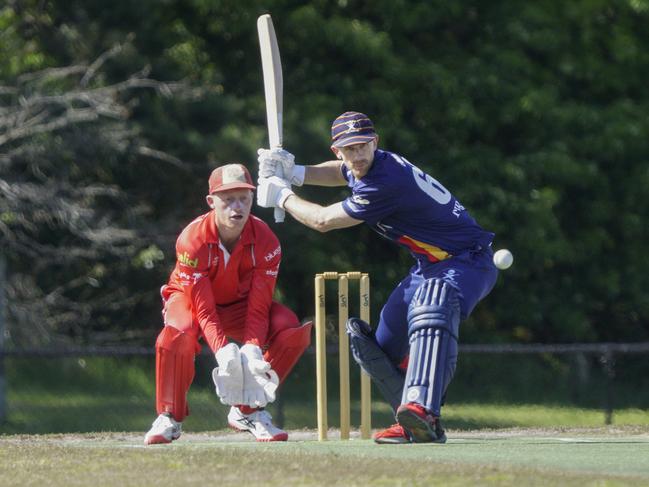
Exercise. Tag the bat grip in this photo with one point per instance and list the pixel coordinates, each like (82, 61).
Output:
(279, 215)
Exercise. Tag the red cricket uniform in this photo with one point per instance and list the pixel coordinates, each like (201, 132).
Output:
(217, 295)
(216, 284)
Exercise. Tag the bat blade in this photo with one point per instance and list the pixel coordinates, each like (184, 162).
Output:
(273, 80)
(271, 64)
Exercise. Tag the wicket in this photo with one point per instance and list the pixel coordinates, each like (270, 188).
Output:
(343, 347)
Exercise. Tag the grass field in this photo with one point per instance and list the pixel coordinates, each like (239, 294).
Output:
(47, 412)
(81, 422)
(579, 457)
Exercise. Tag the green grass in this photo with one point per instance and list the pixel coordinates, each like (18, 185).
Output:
(468, 416)
(109, 394)
(601, 457)
(491, 442)
(49, 412)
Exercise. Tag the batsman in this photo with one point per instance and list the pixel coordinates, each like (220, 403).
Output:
(412, 354)
(221, 291)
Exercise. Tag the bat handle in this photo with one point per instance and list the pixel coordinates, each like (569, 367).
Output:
(279, 213)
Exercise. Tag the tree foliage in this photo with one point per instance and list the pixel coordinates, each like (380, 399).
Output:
(533, 114)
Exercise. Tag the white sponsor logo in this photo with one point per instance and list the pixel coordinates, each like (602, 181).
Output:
(186, 279)
(450, 275)
(412, 395)
(274, 253)
(359, 200)
(457, 208)
(272, 273)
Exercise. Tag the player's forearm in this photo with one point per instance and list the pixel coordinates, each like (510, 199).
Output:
(325, 174)
(260, 299)
(205, 309)
(320, 218)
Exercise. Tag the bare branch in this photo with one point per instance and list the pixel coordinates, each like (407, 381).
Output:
(8, 90)
(50, 74)
(21, 122)
(162, 156)
(70, 117)
(99, 62)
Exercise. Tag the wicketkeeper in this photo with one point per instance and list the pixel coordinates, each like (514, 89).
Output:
(220, 290)
(452, 271)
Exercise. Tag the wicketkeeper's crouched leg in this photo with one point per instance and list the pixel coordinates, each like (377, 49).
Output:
(175, 351)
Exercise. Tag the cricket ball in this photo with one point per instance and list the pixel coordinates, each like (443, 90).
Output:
(503, 259)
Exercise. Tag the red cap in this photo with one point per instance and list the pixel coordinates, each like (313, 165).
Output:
(230, 176)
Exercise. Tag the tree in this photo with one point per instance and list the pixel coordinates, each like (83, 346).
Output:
(72, 231)
(534, 115)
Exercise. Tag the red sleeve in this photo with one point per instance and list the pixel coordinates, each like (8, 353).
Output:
(268, 254)
(192, 262)
(205, 311)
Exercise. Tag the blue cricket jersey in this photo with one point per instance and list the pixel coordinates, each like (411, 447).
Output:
(405, 205)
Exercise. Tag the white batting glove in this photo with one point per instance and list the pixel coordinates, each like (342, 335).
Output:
(228, 376)
(273, 192)
(280, 163)
(269, 166)
(260, 382)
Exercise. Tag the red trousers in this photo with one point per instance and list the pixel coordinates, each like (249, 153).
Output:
(178, 343)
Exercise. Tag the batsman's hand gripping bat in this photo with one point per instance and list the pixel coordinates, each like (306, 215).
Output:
(273, 86)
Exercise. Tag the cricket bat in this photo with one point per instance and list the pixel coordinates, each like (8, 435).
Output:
(273, 86)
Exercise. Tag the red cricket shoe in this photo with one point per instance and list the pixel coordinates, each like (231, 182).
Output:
(423, 426)
(394, 435)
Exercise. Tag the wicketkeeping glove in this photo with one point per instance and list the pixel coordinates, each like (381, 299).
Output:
(259, 380)
(280, 163)
(228, 376)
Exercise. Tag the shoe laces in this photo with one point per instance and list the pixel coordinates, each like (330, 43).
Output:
(392, 428)
(264, 417)
(164, 420)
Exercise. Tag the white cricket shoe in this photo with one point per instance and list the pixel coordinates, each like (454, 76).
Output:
(258, 424)
(165, 429)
